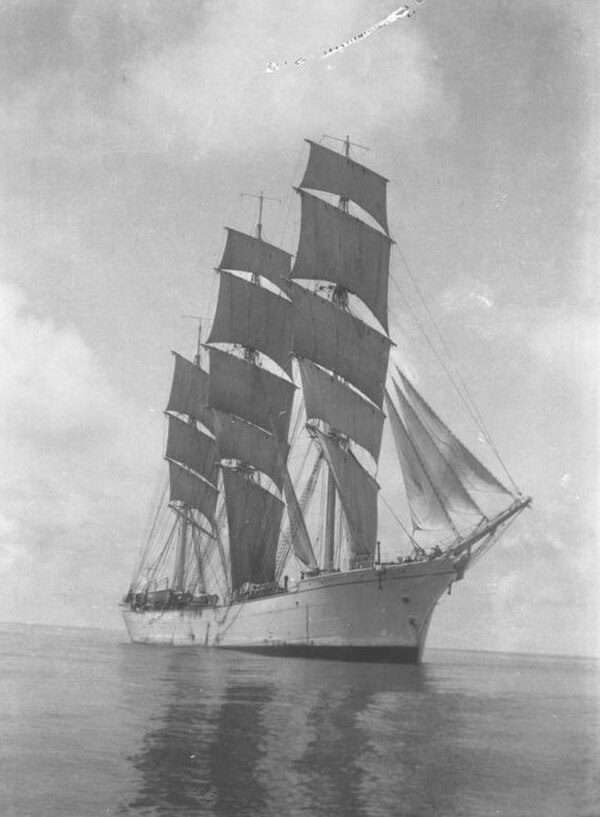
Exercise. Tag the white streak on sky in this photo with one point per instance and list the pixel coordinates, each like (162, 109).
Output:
(400, 14)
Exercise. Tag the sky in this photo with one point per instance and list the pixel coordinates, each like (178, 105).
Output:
(130, 128)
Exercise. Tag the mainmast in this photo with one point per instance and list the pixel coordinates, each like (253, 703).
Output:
(251, 404)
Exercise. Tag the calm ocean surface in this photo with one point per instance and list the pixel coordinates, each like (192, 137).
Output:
(92, 725)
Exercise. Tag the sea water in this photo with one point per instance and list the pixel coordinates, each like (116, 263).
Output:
(92, 725)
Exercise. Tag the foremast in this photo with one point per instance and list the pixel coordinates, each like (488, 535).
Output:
(341, 357)
(343, 362)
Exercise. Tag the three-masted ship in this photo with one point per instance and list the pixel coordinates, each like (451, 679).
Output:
(290, 406)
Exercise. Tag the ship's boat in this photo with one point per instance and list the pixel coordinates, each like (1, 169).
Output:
(270, 541)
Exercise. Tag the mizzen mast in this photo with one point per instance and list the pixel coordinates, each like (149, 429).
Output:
(190, 453)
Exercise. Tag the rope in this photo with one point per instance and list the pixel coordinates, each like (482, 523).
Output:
(391, 510)
(457, 380)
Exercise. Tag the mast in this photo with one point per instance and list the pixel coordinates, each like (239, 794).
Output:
(251, 405)
(191, 455)
(339, 295)
(261, 199)
(181, 555)
(342, 359)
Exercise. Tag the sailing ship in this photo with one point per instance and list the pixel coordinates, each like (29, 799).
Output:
(290, 406)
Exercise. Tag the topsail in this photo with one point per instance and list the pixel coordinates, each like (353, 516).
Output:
(247, 391)
(333, 173)
(335, 246)
(245, 253)
(189, 392)
(339, 341)
(328, 398)
(254, 317)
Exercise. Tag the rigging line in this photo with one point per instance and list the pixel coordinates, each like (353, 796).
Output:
(147, 548)
(290, 197)
(470, 408)
(495, 536)
(158, 502)
(465, 397)
(411, 538)
(469, 399)
(161, 558)
(286, 538)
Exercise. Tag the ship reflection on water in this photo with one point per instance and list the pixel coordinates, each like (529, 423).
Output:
(234, 734)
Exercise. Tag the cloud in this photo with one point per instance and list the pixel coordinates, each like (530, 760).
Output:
(72, 453)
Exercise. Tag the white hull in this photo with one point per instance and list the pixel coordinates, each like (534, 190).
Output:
(370, 614)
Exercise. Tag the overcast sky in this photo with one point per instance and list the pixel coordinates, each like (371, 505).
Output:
(130, 129)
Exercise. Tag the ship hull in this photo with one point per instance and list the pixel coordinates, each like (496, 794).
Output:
(376, 614)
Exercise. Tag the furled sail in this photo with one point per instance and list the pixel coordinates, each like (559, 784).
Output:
(335, 246)
(239, 440)
(331, 400)
(254, 317)
(472, 473)
(426, 508)
(189, 392)
(192, 491)
(443, 477)
(192, 448)
(333, 173)
(240, 388)
(339, 341)
(245, 253)
(254, 519)
(358, 495)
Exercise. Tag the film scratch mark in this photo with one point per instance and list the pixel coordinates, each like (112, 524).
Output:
(401, 13)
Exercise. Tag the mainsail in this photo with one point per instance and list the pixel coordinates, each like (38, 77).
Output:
(254, 519)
